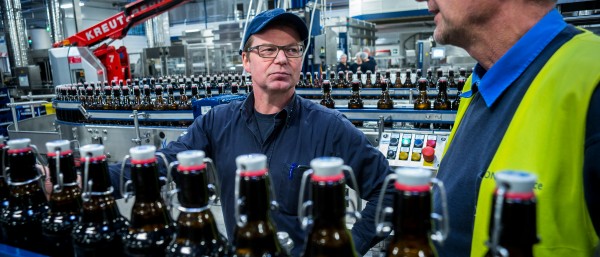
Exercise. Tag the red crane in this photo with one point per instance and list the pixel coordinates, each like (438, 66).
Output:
(116, 61)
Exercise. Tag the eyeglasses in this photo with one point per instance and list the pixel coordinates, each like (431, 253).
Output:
(271, 51)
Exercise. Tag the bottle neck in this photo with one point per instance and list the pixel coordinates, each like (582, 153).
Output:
(98, 174)
(412, 212)
(67, 168)
(518, 230)
(254, 190)
(193, 188)
(22, 165)
(145, 181)
(329, 202)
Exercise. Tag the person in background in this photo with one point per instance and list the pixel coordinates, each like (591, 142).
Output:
(290, 130)
(356, 65)
(367, 64)
(517, 114)
(371, 56)
(343, 65)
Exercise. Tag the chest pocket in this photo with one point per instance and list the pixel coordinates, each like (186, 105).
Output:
(287, 186)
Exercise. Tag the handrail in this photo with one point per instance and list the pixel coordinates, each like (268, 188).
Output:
(13, 109)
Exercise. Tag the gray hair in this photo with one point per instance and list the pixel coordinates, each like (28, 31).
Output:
(367, 49)
(343, 55)
(362, 55)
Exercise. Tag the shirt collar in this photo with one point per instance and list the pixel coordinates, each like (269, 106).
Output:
(493, 82)
(288, 112)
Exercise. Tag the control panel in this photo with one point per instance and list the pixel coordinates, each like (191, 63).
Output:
(413, 148)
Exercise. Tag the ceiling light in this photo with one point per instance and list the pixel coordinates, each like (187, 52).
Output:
(70, 5)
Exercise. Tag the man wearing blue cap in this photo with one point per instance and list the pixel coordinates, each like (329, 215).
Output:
(288, 129)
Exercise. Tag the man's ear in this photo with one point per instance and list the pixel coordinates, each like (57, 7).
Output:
(246, 61)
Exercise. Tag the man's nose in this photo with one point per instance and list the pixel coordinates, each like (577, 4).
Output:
(280, 57)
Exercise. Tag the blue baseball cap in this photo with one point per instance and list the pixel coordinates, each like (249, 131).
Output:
(265, 18)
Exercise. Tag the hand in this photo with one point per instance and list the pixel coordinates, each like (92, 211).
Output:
(47, 183)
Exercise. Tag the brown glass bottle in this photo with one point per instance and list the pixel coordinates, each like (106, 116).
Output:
(184, 101)
(451, 79)
(441, 101)
(159, 101)
(98, 102)
(341, 80)
(151, 226)
(249, 85)
(300, 83)
(147, 100)
(137, 99)
(349, 78)
(430, 79)
(408, 81)
(126, 99)
(355, 101)
(422, 102)
(108, 100)
(89, 99)
(385, 102)
(517, 233)
(208, 89)
(65, 200)
(377, 80)
(4, 189)
(117, 101)
(309, 80)
(101, 228)
(328, 235)
(398, 81)
(327, 101)
(369, 83)
(194, 96)
(21, 221)
(411, 218)
(459, 87)
(255, 234)
(235, 88)
(171, 103)
(196, 232)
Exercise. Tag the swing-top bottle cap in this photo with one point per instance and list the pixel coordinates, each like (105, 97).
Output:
(60, 145)
(19, 143)
(251, 162)
(191, 158)
(142, 152)
(413, 176)
(517, 181)
(327, 166)
(91, 150)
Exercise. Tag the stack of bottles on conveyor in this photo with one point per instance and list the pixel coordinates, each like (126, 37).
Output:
(148, 94)
(83, 219)
(420, 102)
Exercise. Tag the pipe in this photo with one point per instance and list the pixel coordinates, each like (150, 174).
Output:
(55, 20)
(16, 36)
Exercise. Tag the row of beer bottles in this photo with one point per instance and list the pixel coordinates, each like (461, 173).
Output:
(369, 80)
(91, 223)
(87, 221)
(118, 97)
(215, 79)
(421, 102)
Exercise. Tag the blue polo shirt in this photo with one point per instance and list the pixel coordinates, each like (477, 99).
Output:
(512, 64)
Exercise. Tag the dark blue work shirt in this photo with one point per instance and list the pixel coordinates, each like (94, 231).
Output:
(307, 131)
